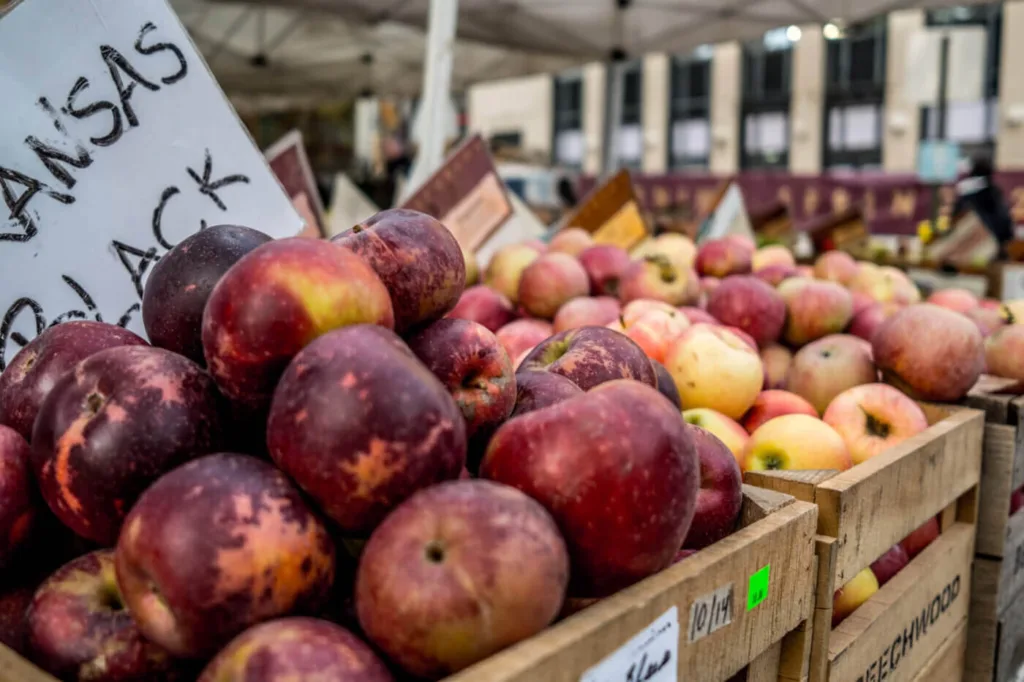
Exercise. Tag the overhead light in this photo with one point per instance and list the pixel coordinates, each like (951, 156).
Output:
(831, 31)
(793, 33)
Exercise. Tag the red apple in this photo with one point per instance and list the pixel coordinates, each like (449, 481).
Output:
(14, 602)
(36, 368)
(921, 537)
(654, 331)
(930, 353)
(590, 356)
(587, 312)
(181, 282)
(571, 240)
(523, 335)
(835, 266)
(276, 300)
(867, 321)
(815, 309)
(458, 572)
(774, 275)
(774, 403)
(667, 385)
(617, 471)
(697, 315)
(656, 278)
(605, 265)
(889, 564)
(958, 300)
(724, 257)
(505, 271)
(475, 369)
(417, 259)
(215, 547)
(872, 418)
(296, 649)
(750, 305)
(777, 361)
(20, 507)
(1016, 501)
(112, 426)
(360, 399)
(485, 306)
(988, 320)
(78, 627)
(1004, 352)
(772, 255)
(721, 491)
(542, 389)
(825, 368)
(551, 281)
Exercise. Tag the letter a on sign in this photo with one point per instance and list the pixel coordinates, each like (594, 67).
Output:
(114, 139)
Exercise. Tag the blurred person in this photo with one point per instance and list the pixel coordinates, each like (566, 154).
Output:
(978, 193)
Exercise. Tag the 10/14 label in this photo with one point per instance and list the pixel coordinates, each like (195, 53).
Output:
(709, 613)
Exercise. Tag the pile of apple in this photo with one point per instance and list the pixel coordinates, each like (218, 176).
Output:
(311, 471)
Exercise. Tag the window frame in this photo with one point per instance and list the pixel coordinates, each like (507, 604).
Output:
(755, 101)
(685, 106)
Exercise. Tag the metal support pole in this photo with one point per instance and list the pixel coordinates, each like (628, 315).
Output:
(437, 81)
(941, 105)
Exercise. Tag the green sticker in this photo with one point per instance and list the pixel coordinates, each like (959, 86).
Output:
(757, 589)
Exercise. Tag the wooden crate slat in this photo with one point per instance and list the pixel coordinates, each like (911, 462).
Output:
(998, 464)
(948, 662)
(570, 648)
(917, 611)
(13, 668)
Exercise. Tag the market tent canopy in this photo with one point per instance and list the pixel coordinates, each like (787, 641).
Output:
(591, 29)
(271, 55)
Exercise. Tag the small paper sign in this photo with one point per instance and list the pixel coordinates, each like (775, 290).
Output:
(757, 589)
(611, 213)
(651, 656)
(729, 217)
(117, 143)
(289, 162)
(710, 613)
(466, 194)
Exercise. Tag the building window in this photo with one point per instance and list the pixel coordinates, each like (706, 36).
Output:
(767, 71)
(627, 128)
(855, 97)
(689, 115)
(973, 125)
(568, 120)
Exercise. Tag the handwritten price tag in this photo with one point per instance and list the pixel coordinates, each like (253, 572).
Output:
(710, 613)
(651, 656)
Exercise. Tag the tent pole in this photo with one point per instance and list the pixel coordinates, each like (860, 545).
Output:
(437, 80)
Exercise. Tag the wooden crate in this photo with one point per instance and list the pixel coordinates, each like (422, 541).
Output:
(869, 508)
(996, 632)
(767, 643)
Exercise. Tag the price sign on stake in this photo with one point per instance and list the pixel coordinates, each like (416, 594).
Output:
(651, 656)
(115, 144)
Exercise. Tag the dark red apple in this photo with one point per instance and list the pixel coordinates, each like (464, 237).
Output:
(15, 597)
(589, 356)
(181, 282)
(474, 367)
(78, 627)
(666, 384)
(747, 303)
(20, 506)
(484, 305)
(683, 554)
(296, 650)
(359, 399)
(36, 368)
(458, 572)
(920, 538)
(721, 490)
(111, 427)
(277, 299)
(1016, 501)
(216, 546)
(889, 564)
(418, 259)
(617, 471)
(605, 265)
(535, 390)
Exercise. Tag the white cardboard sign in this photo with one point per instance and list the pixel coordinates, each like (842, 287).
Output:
(115, 143)
(651, 656)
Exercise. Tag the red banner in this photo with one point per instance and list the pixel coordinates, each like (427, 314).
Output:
(892, 204)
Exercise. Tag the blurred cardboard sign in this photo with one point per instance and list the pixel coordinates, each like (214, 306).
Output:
(839, 231)
(729, 217)
(349, 206)
(611, 213)
(287, 158)
(466, 194)
(772, 222)
(967, 244)
(522, 226)
(116, 144)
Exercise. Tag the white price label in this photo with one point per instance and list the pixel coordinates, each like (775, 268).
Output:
(116, 144)
(710, 613)
(651, 656)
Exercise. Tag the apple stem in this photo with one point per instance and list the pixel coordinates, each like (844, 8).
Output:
(665, 269)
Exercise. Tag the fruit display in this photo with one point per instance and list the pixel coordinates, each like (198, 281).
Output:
(346, 451)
